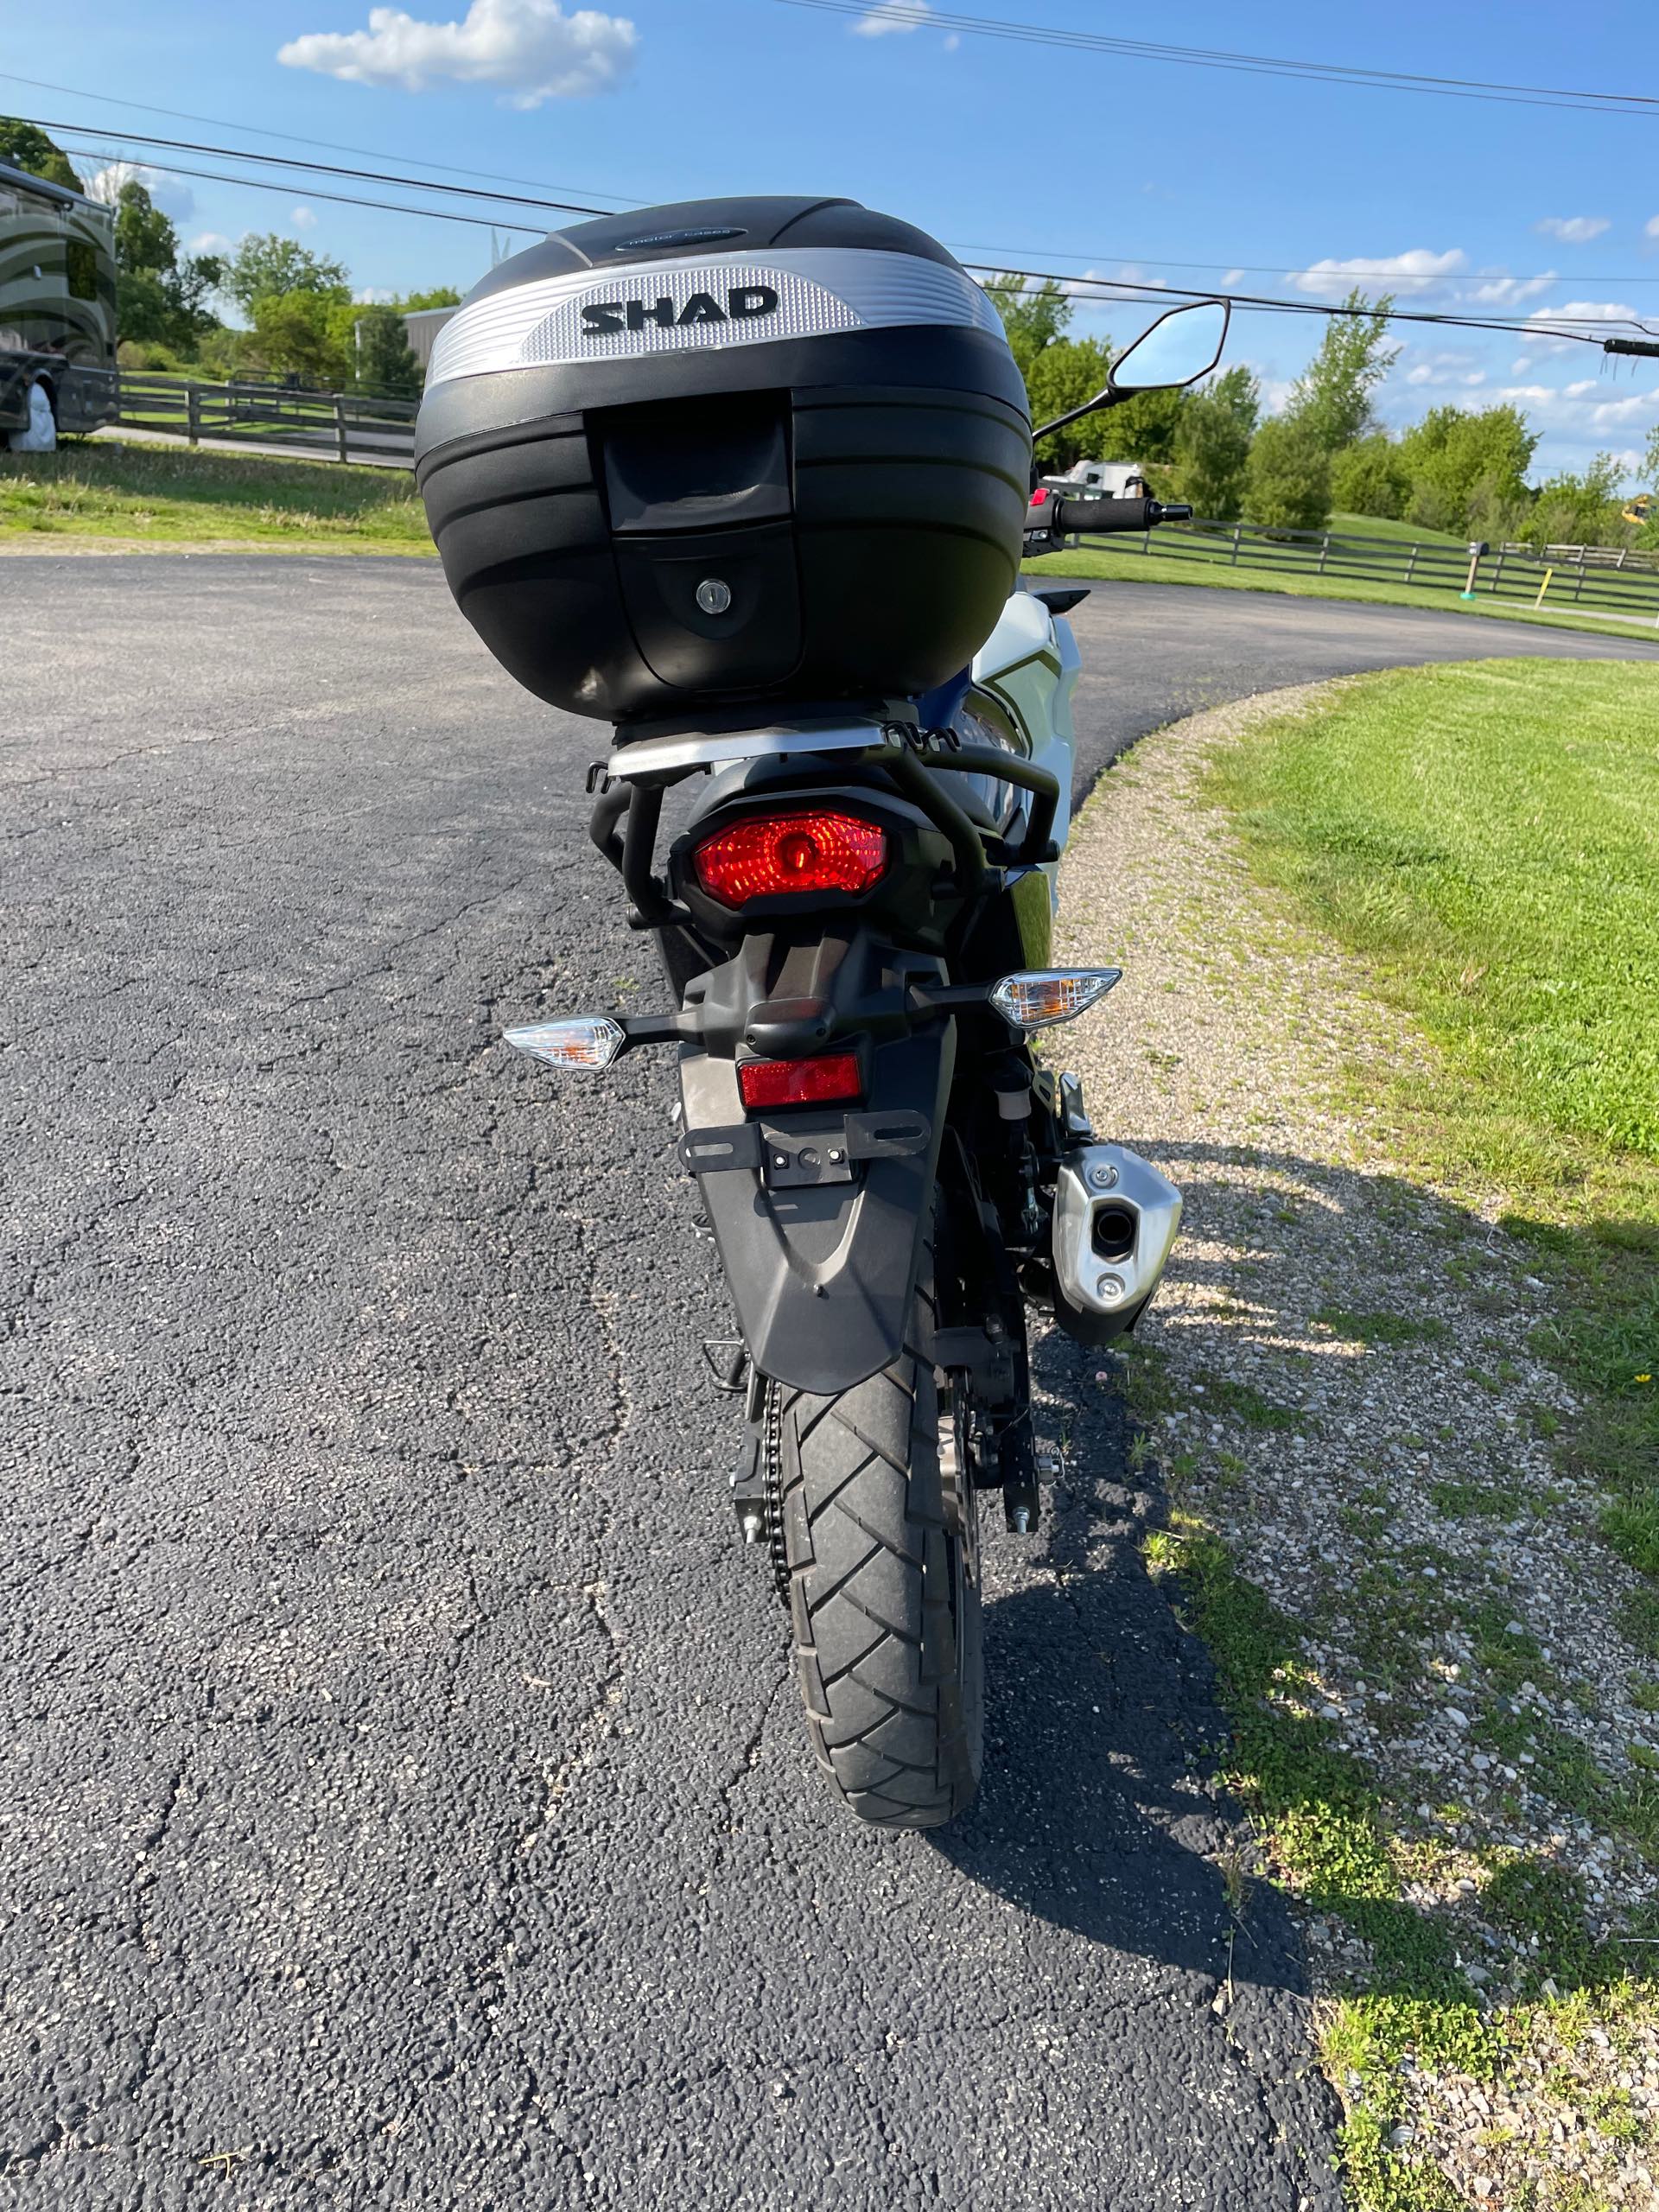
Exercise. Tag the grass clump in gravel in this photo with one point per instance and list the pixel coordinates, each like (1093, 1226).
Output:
(1487, 838)
(163, 494)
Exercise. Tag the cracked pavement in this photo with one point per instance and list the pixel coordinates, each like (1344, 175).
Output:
(404, 1800)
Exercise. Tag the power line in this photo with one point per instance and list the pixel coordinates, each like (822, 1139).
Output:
(321, 169)
(1112, 287)
(295, 137)
(313, 191)
(1510, 326)
(1273, 269)
(919, 15)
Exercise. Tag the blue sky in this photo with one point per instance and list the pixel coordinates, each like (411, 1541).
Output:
(1006, 151)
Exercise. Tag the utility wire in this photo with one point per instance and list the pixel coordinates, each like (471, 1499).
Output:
(322, 169)
(918, 16)
(962, 246)
(1117, 287)
(1510, 325)
(311, 192)
(292, 137)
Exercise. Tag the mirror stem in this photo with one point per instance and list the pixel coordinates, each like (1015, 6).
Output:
(1101, 404)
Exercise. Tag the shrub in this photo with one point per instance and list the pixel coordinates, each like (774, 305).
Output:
(1372, 478)
(1287, 486)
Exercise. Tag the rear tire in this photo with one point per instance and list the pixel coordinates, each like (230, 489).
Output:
(881, 1542)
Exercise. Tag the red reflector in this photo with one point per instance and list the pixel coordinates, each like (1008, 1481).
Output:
(767, 853)
(825, 1080)
(1039, 497)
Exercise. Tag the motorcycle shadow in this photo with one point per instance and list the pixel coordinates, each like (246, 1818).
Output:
(1098, 1811)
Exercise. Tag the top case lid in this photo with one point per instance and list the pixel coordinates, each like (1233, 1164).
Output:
(706, 273)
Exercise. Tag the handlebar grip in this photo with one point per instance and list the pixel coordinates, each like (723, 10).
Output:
(1095, 518)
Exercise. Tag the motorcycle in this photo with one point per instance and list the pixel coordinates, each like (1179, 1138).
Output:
(621, 453)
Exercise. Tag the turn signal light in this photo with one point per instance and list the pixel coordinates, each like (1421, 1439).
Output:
(828, 1079)
(1040, 996)
(767, 854)
(581, 1041)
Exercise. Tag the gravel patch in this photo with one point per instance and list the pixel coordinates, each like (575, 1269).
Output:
(1357, 1407)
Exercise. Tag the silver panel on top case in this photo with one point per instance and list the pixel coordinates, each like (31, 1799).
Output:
(820, 292)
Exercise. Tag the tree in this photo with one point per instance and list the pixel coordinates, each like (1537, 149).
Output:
(160, 300)
(1370, 478)
(25, 146)
(1572, 510)
(442, 295)
(1213, 444)
(267, 263)
(1650, 465)
(1333, 396)
(1454, 455)
(1060, 372)
(384, 362)
(1032, 319)
(306, 335)
(144, 237)
(1288, 483)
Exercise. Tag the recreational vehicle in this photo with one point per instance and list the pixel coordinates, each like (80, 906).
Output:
(57, 311)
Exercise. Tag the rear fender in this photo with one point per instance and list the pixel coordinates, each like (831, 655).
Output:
(822, 1274)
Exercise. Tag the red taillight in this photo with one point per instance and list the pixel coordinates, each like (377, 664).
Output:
(767, 853)
(829, 1079)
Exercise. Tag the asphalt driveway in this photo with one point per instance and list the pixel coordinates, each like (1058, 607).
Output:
(404, 1802)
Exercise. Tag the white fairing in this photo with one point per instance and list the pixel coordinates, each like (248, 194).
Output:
(1030, 662)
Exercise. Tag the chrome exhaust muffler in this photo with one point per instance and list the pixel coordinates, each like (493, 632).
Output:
(1114, 1221)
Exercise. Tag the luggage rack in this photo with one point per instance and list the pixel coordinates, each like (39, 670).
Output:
(629, 803)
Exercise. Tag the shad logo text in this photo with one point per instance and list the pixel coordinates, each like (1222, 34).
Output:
(744, 303)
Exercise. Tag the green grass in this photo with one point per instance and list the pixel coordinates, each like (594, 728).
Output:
(1487, 837)
(1153, 569)
(163, 495)
(1331, 1840)
(1397, 533)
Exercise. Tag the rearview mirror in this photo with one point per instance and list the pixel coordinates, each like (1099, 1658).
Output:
(1179, 347)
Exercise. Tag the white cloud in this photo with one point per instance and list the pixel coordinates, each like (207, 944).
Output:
(1574, 230)
(890, 16)
(1497, 290)
(1233, 277)
(1616, 414)
(952, 43)
(212, 242)
(1415, 270)
(1652, 227)
(374, 295)
(529, 48)
(1442, 365)
(303, 219)
(172, 196)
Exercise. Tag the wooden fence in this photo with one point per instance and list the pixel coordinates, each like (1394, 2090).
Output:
(1588, 576)
(339, 426)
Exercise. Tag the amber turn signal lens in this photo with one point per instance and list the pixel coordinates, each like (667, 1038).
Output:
(1041, 996)
(581, 1041)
